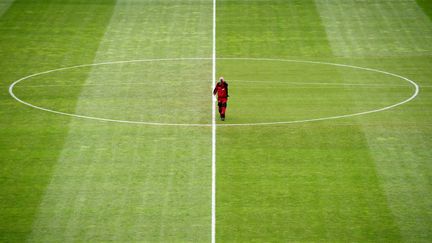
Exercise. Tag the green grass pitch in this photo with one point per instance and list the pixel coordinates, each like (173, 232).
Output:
(364, 178)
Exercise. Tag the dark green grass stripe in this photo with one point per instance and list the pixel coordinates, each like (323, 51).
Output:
(426, 5)
(270, 29)
(37, 36)
(4, 5)
(299, 183)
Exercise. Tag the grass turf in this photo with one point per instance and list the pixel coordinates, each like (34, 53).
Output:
(365, 178)
(36, 36)
(343, 180)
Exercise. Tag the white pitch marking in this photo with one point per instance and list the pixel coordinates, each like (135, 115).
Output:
(119, 84)
(237, 81)
(321, 83)
(213, 191)
(415, 93)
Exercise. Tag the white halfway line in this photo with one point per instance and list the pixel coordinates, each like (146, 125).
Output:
(213, 191)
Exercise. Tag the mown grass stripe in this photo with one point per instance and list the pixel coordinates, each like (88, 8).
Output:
(376, 29)
(304, 182)
(396, 139)
(4, 6)
(426, 6)
(116, 182)
(36, 36)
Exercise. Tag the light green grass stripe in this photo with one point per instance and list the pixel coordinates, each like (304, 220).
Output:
(376, 28)
(116, 182)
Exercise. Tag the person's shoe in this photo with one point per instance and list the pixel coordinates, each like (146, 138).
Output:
(222, 118)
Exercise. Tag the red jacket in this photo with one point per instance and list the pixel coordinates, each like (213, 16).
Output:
(221, 90)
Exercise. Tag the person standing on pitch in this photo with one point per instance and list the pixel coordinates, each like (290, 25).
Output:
(221, 90)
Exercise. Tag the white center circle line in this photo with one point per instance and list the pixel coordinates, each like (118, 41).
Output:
(411, 82)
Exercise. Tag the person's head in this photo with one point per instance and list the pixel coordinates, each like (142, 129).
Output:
(221, 79)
